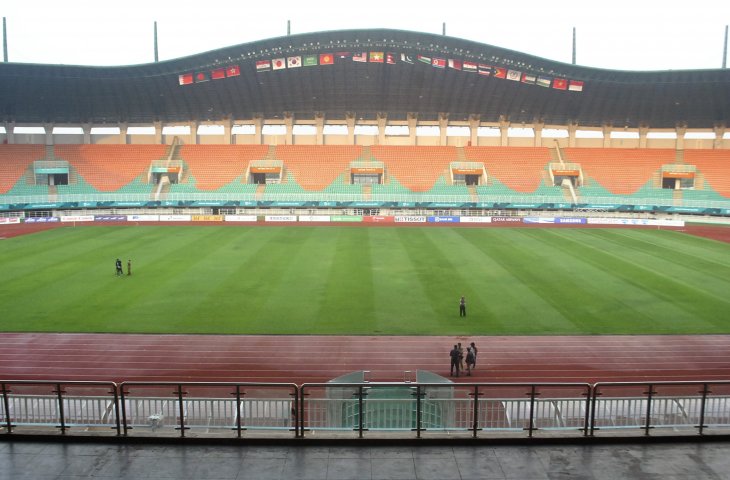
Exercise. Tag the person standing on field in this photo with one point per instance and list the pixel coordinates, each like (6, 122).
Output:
(129, 267)
(118, 265)
(462, 306)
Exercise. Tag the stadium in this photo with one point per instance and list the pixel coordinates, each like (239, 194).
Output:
(338, 192)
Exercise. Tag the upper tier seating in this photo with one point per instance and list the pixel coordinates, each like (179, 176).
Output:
(520, 169)
(107, 168)
(216, 166)
(620, 171)
(14, 162)
(714, 165)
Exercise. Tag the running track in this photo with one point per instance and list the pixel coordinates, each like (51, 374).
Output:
(301, 359)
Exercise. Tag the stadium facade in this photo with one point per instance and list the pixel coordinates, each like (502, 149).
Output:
(372, 89)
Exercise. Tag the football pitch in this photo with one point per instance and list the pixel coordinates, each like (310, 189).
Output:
(364, 281)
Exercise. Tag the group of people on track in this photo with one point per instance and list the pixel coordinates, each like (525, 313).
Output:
(463, 362)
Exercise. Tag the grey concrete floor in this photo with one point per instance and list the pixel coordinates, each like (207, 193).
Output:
(74, 461)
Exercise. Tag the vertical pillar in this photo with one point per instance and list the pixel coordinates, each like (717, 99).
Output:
(258, 135)
(87, 133)
(48, 127)
(382, 122)
(537, 129)
(10, 132)
(503, 131)
(158, 132)
(719, 133)
(123, 128)
(607, 136)
(193, 138)
(319, 123)
(350, 119)
(289, 123)
(443, 126)
(643, 131)
(227, 131)
(681, 131)
(474, 122)
(412, 127)
(572, 135)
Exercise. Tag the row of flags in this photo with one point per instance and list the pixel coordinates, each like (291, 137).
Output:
(206, 75)
(322, 59)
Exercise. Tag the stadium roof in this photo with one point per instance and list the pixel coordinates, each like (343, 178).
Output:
(403, 73)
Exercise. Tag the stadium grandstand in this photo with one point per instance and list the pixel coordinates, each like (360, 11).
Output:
(363, 121)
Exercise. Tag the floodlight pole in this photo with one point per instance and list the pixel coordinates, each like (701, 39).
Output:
(5, 41)
(157, 58)
(288, 28)
(443, 29)
(573, 45)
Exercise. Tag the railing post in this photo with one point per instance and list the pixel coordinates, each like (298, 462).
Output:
(301, 412)
(181, 409)
(6, 405)
(594, 401)
(649, 398)
(295, 411)
(361, 411)
(115, 392)
(475, 423)
(531, 428)
(705, 391)
(589, 391)
(418, 411)
(61, 413)
(238, 411)
(122, 393)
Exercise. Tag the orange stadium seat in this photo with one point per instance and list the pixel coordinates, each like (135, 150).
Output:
(314, 167)
(714, 165)
(415, 168)
(15, 160)
(518, 168)
(214, 166)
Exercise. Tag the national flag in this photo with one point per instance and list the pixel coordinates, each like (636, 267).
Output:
(185, 79)
(360, 57)
(294, 62)
(424, 59)
(263, 65)
(514, 75)
(528, 78)
(485, 70)
(233, 71)
(343, 55)
(455, 64)
(326, 59)
(406, 58)
(500, 72)
(438, 63)
(309, 60)
(543, 81)
(377, 57)
(278, 63)
(575, 86)
(390, 58)
(201, 77)
(560, 83)
(470, 67)
(218, 73)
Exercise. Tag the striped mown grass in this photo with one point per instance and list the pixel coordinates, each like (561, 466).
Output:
(377, 280)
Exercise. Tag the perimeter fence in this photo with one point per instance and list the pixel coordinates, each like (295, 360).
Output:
(364, 410)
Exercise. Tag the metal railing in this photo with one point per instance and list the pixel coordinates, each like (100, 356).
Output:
(357, 410)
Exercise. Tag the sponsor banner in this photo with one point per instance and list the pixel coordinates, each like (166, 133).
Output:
(678, 174)
(208, 203)
(647, 222)
(42, 220)
(42, 206)
(314, 218)
(541, 220)
(143, 218)
(346, 218)
(206, 218)
(409, 219)
(378, 219)
(467, 171)
(475, 220)
(174, 218)
(265, 169)
(77, 218)
(566, 173)
(4, 206)
(129, 204)
(280, 218)
(110, 218)
(573, 220)
(506, 219)
(8, 221)
(240, 218)
(443, 219)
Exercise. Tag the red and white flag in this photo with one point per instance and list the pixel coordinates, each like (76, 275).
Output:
(470, 67)
(575, 86)
(218, 73)
(278, 63)
(455, 64)
(294, 62)
(390, 58)
(485, 70)
(360, 57)
(263, 65)
(185, 79)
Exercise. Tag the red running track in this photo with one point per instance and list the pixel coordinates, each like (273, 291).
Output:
(302, 359)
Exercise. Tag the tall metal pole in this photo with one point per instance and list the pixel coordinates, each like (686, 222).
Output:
(573, 45)
(724, 50)
(443, 29)
(5, 41)
(157, 57)
(288, 28)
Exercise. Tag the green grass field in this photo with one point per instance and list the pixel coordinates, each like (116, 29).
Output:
(347, 280)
